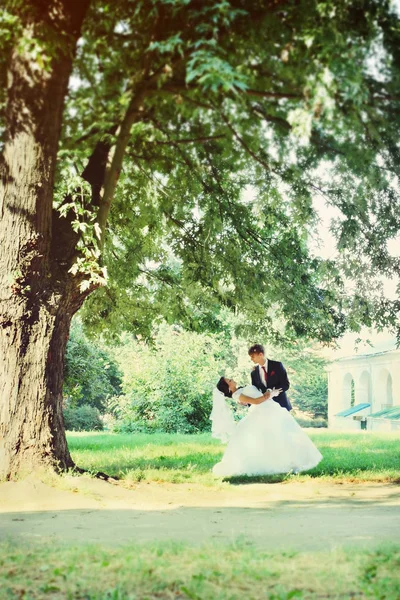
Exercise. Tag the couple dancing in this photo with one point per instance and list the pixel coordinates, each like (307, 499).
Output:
(267, 440)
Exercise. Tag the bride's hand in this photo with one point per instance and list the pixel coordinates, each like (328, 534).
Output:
(275, 392)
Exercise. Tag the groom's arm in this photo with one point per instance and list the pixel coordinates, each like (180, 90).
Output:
(283, 378)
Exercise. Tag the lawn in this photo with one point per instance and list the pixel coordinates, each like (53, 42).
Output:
(212, 571)
(177, 458)
(175, 571)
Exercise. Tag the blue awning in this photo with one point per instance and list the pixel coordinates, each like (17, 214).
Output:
(352, 410)
(387, 413)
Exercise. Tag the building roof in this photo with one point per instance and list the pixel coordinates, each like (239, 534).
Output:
(376, 350)
(388, 413)
(352, 410)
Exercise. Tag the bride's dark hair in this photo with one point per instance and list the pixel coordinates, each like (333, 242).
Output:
(223, 387)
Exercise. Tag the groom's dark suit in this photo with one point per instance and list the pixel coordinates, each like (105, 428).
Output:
(276, 378)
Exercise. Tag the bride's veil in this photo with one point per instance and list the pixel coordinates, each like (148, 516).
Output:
(222, 421)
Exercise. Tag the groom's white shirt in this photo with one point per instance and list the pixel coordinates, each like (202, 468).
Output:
(262, 374)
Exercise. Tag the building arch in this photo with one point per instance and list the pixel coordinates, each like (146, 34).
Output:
(348, 393)
(385, 387)
(364, 389)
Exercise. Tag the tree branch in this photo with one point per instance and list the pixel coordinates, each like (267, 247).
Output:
(280, 95)
(177, 86)
(112, 175)
(201, 140)
(243, 143)
(187, 160)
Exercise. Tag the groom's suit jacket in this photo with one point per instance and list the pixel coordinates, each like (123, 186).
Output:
(276, 378)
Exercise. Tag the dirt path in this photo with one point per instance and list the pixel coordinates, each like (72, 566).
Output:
(298, 516)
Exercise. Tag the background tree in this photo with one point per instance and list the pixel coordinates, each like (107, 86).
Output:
(308, 378)
(174, 109)
(167, 386)
(91, 378)
(91, 374)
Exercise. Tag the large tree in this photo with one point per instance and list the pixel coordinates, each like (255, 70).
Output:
(183, 155)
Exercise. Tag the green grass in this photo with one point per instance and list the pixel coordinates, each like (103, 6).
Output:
(176, 571)
(176, 458)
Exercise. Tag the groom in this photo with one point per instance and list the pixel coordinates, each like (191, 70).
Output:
(269, 374)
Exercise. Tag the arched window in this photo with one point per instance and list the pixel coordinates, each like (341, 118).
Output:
(385, 386)
(364, 388)
(348, 391)
(389, 391)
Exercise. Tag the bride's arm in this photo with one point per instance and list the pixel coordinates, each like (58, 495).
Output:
(243, 399)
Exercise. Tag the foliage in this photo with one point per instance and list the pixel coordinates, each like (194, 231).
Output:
(188, 365)
(91, 374)
(233, 120)
(309, 381)
(210, 571)
(168, 387)
(82, 418)
(72, 200)
(179, 458)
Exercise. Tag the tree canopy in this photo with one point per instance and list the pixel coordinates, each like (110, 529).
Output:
(221, 121)
(282, 100)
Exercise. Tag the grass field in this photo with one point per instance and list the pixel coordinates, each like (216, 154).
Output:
(177, 572)
(360, 456)
(238, 570)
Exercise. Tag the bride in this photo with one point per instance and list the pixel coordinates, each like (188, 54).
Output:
(266, 441)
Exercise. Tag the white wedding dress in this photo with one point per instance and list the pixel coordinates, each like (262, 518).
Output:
(266, 441)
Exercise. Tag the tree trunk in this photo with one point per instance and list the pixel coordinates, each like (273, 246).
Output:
(31, 378)
(38, 296)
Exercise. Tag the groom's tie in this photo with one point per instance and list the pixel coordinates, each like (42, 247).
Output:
(265, 374)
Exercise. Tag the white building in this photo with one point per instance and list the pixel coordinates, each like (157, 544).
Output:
(364, 390)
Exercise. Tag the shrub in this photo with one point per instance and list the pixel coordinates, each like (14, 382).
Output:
(82, 418)
(91, 373)
(311, 422)
(168, 387)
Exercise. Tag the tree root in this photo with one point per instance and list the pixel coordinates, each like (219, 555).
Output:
(98, 475)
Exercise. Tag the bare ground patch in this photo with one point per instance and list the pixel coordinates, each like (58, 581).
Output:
(309, 516)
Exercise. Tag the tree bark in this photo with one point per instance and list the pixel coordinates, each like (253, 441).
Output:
(38, 296)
